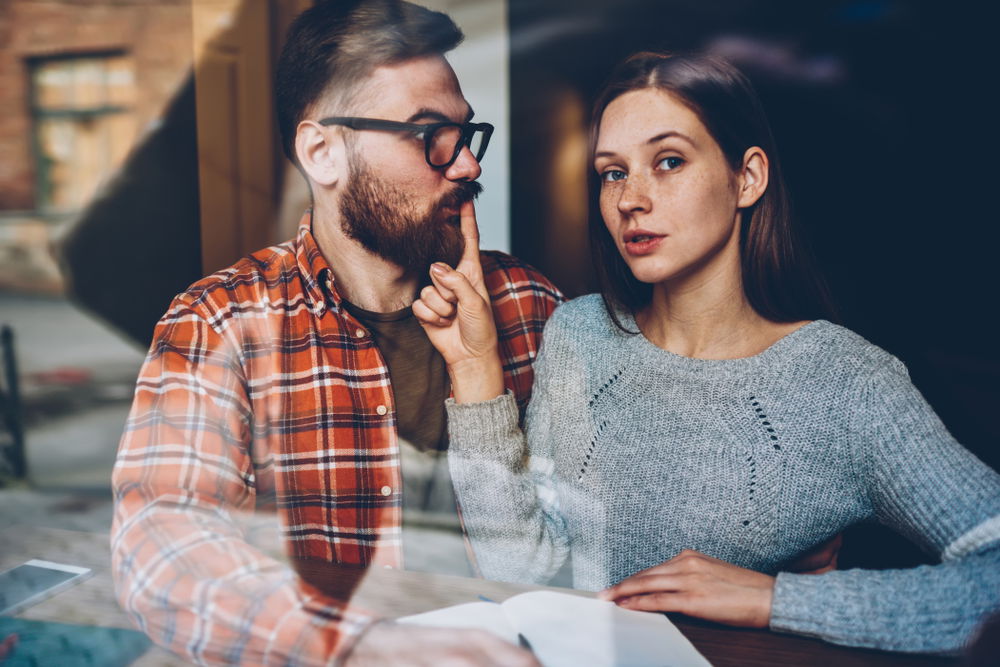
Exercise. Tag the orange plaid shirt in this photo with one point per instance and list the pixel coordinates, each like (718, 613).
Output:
(259, 390)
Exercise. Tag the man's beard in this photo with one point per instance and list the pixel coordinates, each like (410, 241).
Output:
(379, 217)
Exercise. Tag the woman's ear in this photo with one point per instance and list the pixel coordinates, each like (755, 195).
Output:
(321, 152)
(753, 176)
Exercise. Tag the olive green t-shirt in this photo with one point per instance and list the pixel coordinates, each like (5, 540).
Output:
(417, 372)
(432, 534)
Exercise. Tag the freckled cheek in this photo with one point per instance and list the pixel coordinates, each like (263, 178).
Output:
(720, 210)
(703, 202)
(608, 205)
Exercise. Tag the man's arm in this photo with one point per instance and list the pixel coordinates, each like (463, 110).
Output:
(182, 567)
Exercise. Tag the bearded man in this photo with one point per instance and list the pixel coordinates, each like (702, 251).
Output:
(299, 379)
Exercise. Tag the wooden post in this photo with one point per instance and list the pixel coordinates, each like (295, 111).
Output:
(237, 141)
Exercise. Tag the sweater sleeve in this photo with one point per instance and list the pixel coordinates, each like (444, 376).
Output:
(925, 485)
(504, 477)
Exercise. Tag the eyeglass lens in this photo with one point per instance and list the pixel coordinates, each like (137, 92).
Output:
(444, 145)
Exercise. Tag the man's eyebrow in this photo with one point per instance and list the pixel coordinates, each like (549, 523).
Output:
(652, 140)
(427, 113)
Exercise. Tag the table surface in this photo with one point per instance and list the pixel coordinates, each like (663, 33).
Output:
(394, 593)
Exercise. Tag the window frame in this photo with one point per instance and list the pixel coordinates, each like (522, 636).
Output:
(38, 113)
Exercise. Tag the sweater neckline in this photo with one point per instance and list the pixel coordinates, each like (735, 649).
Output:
(774, 354)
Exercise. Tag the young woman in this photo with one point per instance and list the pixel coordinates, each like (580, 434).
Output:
(698, 425)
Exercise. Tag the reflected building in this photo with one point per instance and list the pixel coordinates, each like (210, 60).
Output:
(82, 81)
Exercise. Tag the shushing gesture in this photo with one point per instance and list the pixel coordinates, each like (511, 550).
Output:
(456, 314)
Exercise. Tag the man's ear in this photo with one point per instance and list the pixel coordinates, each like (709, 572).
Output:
(321, 152)
(753, 176)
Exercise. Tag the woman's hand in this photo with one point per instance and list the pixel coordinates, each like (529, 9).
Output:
(455, 313)
(700, 586)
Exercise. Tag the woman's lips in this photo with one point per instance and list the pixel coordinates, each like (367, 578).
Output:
(640, 242)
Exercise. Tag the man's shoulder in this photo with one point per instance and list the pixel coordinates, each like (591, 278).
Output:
(506, 275)
(247, 280)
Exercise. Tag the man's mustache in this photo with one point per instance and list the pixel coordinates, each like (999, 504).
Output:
(463, 192)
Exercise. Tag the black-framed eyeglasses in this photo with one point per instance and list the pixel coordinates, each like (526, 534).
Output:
(442, 141)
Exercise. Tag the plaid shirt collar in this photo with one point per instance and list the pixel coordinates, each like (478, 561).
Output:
(317, 276)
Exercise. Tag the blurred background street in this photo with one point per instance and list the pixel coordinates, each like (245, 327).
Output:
(77, 380)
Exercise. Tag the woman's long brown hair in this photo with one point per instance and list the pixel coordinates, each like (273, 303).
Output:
(779, 279)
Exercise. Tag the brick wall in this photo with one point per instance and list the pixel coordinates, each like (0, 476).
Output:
(156, 33)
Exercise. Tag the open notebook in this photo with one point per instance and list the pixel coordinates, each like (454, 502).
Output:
(569, 630)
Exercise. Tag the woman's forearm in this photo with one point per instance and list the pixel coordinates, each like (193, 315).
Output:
(515, 534)
(931, 608)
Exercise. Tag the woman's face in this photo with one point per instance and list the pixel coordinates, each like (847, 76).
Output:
(668, 196)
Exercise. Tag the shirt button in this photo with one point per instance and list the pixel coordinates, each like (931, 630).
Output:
(386, 490)
(381, 409)
(360, 333)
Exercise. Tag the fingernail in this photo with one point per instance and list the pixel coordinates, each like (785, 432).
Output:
(440, 268)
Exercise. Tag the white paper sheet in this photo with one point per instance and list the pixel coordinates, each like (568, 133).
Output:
(569, 630)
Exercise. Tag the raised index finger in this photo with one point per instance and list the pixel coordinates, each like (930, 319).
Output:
(470, 265)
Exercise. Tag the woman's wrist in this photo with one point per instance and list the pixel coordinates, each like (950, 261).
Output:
(476, 380)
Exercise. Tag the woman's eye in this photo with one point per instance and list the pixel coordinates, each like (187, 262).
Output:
(669, 163)
(612, 175)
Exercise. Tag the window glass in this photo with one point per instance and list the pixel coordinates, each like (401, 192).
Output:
(84, 124)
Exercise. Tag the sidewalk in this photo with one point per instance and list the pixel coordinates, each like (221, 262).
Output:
(77, 379)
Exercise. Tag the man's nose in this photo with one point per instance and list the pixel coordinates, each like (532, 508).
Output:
(464, 168)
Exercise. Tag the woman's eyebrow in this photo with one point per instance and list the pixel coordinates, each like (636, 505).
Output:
(652, 140)
(668, 135)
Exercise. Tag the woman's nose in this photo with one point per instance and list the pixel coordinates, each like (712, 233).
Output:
(634, 198)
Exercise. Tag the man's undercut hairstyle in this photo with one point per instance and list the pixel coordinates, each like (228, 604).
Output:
(335, 45)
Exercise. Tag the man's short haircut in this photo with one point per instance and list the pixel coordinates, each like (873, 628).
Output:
(335, 45)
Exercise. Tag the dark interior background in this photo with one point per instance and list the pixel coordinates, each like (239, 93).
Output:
(885, 121)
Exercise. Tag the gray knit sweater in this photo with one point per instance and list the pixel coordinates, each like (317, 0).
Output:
(633, 453)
